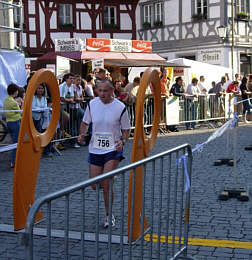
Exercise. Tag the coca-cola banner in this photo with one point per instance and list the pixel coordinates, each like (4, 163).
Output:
(141, 46)
(118, 45)
(94, 44)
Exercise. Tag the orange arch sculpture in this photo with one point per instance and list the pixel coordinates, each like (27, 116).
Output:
(30, 146)
(142, 145)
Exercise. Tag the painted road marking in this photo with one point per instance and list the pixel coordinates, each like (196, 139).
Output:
(202, 242)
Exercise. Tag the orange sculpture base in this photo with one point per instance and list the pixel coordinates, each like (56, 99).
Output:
(30, 146)
(142, 145)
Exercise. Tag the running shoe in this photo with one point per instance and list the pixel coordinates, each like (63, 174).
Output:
(60, 147)
(67, 135)
(106, 222)
(76, 145)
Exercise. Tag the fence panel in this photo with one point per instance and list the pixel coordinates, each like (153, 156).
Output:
(73, 217)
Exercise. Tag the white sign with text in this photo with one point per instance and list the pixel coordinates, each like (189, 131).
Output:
(69, 44)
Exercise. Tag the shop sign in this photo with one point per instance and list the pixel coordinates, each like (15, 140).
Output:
(69, 44)
(118, 45)
(121, 45)
(97, 64)
(214, 57)
(94, 44)
(178, 72)
(141, 46)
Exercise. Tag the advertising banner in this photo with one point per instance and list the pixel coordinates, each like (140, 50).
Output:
(172, 111)
(93, 44)
(118, 45)
(62, 65)
(69, 44)
(141, 46)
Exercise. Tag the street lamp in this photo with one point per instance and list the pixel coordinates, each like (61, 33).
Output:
(222, 32)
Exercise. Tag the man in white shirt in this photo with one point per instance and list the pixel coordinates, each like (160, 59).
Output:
(66, 97)
(111, 128)
(191, 100)
(202, 87)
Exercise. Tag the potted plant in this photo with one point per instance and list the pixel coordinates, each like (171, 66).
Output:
(66, 26)
(146, 25)
(158, 23)
(111, 26)
(199, 16)
(16, 24)
(242, 16)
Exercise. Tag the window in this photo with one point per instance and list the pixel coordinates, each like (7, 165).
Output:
(147, 14)
(242, 6)
(201, 8)
(16, 14)
(65, 14)
(158, 12)
(110, 15)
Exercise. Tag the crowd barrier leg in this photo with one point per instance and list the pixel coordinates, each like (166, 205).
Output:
(235, 189)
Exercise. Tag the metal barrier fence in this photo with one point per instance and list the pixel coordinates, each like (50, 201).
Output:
(71, 227)
(183, 110)
(189, 109)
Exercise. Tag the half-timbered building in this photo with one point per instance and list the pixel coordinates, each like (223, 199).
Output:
(188, 28)
(46, 20)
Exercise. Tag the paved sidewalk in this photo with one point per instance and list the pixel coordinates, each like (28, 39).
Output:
(210, 218)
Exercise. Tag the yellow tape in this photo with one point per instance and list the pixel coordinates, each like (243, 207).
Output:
(201, 242)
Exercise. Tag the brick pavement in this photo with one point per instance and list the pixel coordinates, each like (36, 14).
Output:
(210, 218)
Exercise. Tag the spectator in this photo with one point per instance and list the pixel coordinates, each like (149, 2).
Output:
(95, 72)
(238, 78)
(12, 118)
(100, 75)
(39, 102)
(219, 90)
(66, 97)
(191, 100)
(39, 117)
(245, 96)
(219, 87)
(250, 82)
(233, 87)
(78, 112)
(117, 88)
(90, 84)
(177, 89)
(228, 81)
(164, 83)
(83, 84)
(20, 97)
(212, 88)
(202, 86)
(131, 91)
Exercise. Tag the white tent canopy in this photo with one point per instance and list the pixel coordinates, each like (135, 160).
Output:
(12, 70)
(209, 71)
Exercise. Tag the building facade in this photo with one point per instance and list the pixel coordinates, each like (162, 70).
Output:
(46, 20)
(188, 29)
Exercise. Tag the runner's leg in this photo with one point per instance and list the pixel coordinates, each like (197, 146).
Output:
(108, 166)
(94, 170)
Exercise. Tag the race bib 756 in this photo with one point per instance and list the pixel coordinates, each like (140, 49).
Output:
(103, 141)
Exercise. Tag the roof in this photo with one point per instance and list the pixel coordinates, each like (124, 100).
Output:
(114, 58)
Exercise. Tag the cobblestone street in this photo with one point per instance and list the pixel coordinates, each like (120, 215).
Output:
(210, 218)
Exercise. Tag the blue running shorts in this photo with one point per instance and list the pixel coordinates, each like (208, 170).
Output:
(101, 159)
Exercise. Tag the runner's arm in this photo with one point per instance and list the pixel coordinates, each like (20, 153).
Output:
(83, 131)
